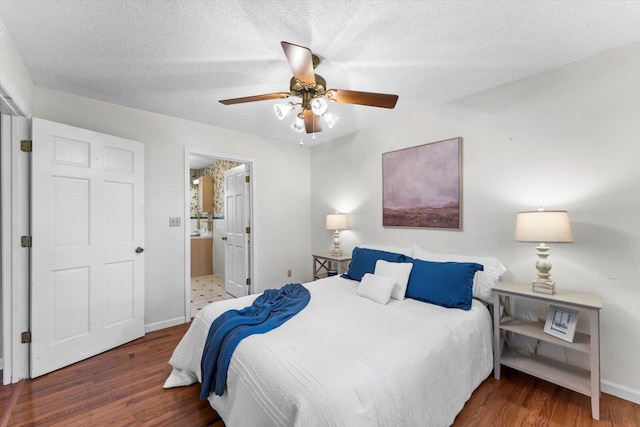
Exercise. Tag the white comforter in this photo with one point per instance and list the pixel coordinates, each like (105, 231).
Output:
(347, 361)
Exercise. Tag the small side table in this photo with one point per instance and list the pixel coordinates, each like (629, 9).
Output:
(585, 381)
(324, 262)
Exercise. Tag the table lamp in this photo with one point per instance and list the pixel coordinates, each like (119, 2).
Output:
(543, 227)
(337, 222)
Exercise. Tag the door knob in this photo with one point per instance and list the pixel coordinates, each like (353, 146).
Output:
(139, 250)
(224, 238)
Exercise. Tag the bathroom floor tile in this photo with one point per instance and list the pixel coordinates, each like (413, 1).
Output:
(206, 289)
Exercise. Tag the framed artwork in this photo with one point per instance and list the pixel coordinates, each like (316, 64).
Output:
(561, 322)
(421, 186)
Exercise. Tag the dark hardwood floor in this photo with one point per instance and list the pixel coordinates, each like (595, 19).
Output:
(123, 387)
(519, 399)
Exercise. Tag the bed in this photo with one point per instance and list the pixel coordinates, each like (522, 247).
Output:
(345, 360)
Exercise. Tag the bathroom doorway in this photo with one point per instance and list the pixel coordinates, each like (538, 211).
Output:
(206, 262)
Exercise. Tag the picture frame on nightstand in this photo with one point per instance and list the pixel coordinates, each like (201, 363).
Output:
(561, 322)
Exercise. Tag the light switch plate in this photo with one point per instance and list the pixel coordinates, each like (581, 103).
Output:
(174, 221)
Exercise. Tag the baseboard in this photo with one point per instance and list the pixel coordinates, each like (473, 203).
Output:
(164, 324)
(621, 391)
(1, 364)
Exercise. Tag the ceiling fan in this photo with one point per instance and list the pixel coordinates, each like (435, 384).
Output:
(312, 89)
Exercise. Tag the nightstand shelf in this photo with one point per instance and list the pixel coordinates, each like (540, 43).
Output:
(325, 262)
(559, 373)
(581, 342)
(585, 381)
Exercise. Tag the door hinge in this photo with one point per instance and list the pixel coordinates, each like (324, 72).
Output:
(25, 337)
(248, 281)
(25, 241)
(25, 145)
(246, 178)
(247, 230)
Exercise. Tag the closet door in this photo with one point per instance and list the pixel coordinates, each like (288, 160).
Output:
(87, 265)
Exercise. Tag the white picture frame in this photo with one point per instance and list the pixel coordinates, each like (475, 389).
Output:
(561, 323)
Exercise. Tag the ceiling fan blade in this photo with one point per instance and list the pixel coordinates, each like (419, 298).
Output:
(301, 62)
(266, 96)
(371, 99)
(312, 122)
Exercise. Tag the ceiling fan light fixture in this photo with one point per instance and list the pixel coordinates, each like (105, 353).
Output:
(283, 110)
(319, 105)
(312, 89)
(298, 123)
(330, 119)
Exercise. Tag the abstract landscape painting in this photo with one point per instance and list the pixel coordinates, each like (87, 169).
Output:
(421, 186)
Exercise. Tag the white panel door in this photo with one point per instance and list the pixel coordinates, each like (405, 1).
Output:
(87, 265)
(237, 215)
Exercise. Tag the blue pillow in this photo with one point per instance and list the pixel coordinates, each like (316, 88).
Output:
(449, 284)
(363, 261)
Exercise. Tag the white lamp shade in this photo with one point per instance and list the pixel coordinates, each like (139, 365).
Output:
(298, 124)
(330, 119)
(337, 221)
(319, 105)
(543, 227)
(282, 110)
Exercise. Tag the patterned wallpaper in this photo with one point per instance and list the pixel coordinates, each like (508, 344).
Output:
(215, 170)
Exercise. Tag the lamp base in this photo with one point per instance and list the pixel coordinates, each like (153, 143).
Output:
(336, 251)
(548, 287)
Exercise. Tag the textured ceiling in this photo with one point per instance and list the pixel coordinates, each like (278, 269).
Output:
(180, 57)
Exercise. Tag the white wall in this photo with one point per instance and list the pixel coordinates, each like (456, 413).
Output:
(14, 77)
(281, 176)
(565, 139)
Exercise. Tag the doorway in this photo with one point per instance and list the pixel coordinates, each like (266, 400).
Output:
(206, 228)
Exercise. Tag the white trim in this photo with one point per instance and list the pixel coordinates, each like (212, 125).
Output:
(164, 324)
(15, 259)
(23, 109)
(5, 251)
(621, 391)
(251, 161)
(21, 223)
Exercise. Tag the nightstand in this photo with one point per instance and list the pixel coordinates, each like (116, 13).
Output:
(572, 377)
(325, 262)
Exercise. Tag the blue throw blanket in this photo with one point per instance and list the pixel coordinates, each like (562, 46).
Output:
(268, 311)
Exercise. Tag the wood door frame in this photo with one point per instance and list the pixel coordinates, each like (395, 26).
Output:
(215, 155)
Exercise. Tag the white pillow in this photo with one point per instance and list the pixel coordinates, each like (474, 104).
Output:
(376, 288)
(399, 271)
(397, 250)
(483, 281)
